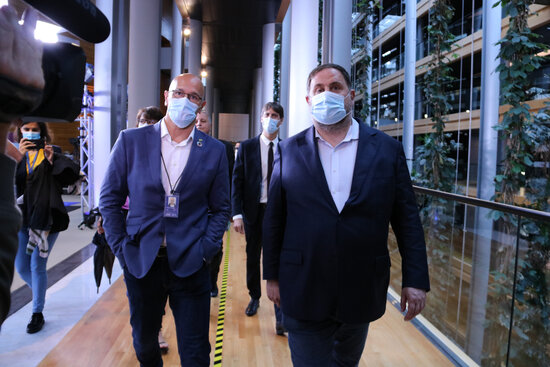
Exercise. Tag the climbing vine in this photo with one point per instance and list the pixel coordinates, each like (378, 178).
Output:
(367, 7)
(525, 167)
(435, 166)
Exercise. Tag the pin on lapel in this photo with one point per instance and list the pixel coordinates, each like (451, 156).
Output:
(199, 142)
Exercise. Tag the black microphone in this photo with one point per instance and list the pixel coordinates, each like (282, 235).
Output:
(80, 17)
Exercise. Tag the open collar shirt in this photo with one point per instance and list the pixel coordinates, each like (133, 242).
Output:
(338, 163)
(175, 157)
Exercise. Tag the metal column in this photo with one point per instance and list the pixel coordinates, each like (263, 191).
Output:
(487, 169)
(409, 70)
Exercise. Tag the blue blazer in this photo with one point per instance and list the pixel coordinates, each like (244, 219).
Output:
(332, 264)
(135, 171)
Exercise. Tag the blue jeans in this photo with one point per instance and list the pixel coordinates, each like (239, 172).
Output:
(325, 343)
(32, 268)
(189, 299)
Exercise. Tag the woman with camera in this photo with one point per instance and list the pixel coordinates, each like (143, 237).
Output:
(40, 177)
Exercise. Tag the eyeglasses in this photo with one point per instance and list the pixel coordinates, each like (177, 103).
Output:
(193, 97)
(147, 121)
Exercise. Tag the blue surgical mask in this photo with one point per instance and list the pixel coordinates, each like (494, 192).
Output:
(270, 125)
(31, 135)
(328, 108)
(182, 112)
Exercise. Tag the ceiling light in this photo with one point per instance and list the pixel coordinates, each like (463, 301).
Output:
(186, 32)
(204, 74)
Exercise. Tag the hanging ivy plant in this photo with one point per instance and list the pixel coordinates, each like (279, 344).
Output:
(277, 69)
(518, 52)
(436, 167)
(367, 7)
(526, 138)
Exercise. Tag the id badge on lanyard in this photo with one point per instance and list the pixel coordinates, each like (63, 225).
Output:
(171, 206)
(171, 201)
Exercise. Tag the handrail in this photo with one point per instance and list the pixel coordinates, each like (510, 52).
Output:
(512, 209)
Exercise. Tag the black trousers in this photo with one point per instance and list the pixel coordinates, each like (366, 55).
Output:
(253, 235)
(215, 268)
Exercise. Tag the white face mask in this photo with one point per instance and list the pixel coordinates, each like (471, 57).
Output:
(328, 108)
(182, 112)
(270, 125)
(143, 124)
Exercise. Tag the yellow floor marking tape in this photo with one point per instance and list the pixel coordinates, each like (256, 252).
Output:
(221, 309)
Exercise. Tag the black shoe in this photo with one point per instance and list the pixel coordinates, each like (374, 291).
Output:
(36, 323)
(214, 292)
(252, 307)
(280, 329)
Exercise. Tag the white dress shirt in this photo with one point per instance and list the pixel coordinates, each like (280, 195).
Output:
(175, 156)
(338, 164)
(264, 149)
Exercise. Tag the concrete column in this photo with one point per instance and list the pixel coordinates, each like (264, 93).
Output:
(285, 71)
(341, 33)
(144, 52)
(327, 33)
(487, 169)
(110, 81)
(195, 48)
(409, 70)
(209, 91)
(256, 126)
(303, 59)
(268, 64)
(215, 112)
(177, 42)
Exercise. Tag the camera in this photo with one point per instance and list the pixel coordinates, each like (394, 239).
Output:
(63, 65)
(38, 144)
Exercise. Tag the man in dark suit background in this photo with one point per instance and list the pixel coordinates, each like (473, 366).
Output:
(204, 124)
(251, 176)
(335, 189)
(165, 251)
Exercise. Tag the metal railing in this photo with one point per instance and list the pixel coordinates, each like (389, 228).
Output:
(490, 274)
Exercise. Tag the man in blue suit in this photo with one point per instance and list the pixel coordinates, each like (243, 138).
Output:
(335, 189)
(177, 181)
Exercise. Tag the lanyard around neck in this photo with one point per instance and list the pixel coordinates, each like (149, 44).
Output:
(30, 167)
(172, 188)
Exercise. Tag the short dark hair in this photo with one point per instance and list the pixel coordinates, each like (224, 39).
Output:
(328, 66)
(151, 112)
(275, 107)
(45, 132)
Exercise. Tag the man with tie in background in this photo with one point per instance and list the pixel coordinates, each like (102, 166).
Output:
(251, 177)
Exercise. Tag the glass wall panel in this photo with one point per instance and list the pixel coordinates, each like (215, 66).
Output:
(475, 287)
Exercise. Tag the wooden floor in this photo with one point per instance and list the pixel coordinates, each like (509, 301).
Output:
(103, 336)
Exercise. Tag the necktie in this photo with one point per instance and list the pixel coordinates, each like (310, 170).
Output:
(269, 164)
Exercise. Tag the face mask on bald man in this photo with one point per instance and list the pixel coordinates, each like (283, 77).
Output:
(182, 112)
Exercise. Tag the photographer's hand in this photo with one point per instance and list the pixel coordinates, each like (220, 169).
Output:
(48, 152)
(21, 75)
(25, 145)
(21, 54)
